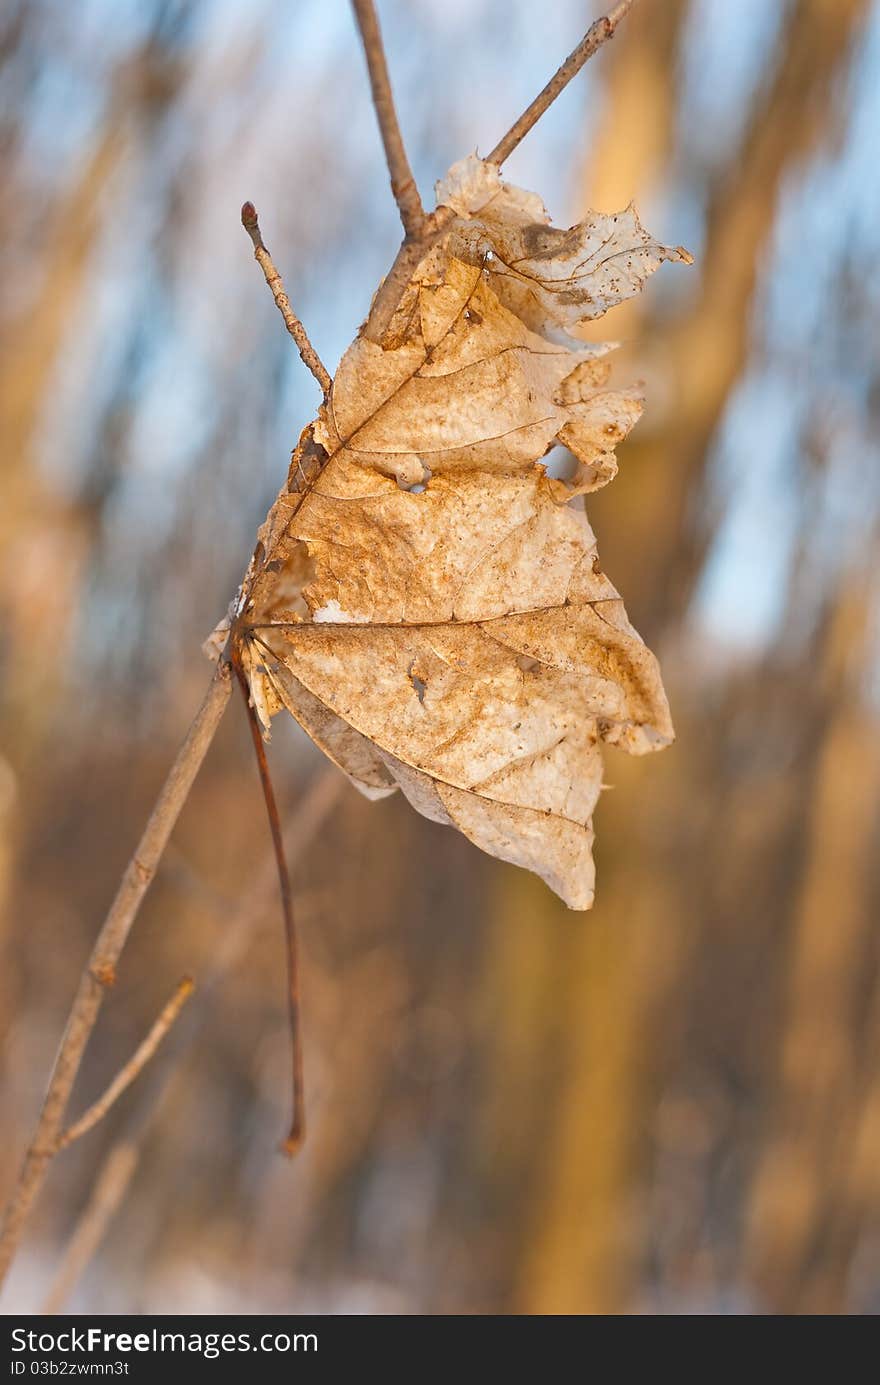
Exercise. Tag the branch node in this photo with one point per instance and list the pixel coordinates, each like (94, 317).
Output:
(138, 1061)
(105, 973)
(144, 872)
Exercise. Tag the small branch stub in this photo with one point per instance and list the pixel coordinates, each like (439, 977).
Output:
(310, 358)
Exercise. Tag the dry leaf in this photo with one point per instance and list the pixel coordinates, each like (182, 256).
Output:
(425, 599)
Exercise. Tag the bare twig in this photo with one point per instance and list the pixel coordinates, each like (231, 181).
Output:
(596, 35)
(310, 358)
(135, 1065)
(100, 970)
(390, 291)
(297, 1131)
(403, 184)
(238, 920)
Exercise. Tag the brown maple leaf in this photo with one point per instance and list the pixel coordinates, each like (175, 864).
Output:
(425, 598)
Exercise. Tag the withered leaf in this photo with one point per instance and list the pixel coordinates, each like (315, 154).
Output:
(425, 598)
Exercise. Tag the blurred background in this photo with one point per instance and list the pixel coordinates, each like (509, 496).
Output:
(670, 1105)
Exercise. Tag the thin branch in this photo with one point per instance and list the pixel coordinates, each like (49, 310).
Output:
(309, 356)
(298, 1118)
(403, 184)
(135, 1065)
(238, 921)
(596, 35)
(100, 971)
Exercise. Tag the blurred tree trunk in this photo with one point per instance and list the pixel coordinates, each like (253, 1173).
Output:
(38, 528)
(801, 1236)
(565, 1065)
(652, 540)
(614, 970)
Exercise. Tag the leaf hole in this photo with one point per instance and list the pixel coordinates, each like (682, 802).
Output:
(559, 463)
(409, 480)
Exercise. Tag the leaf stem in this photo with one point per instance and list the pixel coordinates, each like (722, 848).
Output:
(297, 1132)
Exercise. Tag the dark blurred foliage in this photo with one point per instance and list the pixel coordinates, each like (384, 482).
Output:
(670, 1105)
